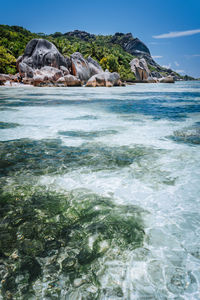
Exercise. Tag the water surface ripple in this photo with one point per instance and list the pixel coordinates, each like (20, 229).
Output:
(100, 192)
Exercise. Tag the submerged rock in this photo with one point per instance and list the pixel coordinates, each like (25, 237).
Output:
(82, 228)
(189, 135)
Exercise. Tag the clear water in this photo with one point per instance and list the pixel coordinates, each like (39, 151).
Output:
(118, 171)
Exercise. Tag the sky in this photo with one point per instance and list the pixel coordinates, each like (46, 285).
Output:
(170, 29)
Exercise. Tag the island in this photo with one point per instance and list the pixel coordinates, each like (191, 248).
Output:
(77, 58)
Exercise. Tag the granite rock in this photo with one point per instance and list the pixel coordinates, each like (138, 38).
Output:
(104, 79)
(140, 69)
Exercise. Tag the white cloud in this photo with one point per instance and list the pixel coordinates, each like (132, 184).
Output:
(192, 55)
(167, 66)
(157, 56)
(176, 64)
(180, 71)
(174, 34)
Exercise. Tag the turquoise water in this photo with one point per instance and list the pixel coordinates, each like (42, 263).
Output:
(100, 192)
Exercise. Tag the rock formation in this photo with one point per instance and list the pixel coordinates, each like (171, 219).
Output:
(168, 79)
(94, 67)
(104, 79)
(140, 69)
(142, 73)
(84, 68)
(43, 65)
(40, 53)
(69, 80)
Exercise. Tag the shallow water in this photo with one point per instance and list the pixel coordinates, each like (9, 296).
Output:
(100, 192)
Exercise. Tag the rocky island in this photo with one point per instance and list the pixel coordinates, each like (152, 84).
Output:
(42, 64)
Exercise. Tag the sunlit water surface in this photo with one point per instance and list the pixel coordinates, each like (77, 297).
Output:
(101, 191)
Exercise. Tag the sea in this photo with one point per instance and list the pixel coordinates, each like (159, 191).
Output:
(100, 192)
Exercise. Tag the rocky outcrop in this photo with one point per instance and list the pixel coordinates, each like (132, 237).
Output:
(69, 80)
(84, 68)
(40, 53)
(9, 78)
(94, 67)
(104, 79)
(43, 65)
(137, 48)
(83, 35)
(168, 79)
(130, 44)
(140, 69)
(80, 67)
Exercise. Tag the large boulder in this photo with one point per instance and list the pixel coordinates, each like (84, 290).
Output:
(140, 69)
(51, 73)
(168, 79)
(69, 80)
(84, 68)
(8, 78)
(38, 54)
(46, 75)
(80, 67)
(94, 67)
(4, 78)
(25, 70)
(104, 79)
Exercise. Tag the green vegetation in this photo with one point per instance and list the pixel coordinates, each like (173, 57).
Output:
(152, 68)
(7, 61)
(13, 40)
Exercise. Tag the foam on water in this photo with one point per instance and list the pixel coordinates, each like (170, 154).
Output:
(160, 175)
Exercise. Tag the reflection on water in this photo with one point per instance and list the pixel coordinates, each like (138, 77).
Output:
(100, 192)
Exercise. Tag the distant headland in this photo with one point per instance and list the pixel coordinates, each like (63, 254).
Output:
(77, 58)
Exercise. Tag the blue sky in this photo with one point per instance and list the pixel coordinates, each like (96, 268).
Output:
(150, 21)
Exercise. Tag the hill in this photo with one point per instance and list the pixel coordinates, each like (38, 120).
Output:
(113, 52)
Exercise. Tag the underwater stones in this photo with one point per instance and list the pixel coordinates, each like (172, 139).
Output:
(50, 156)
(30, 265)
(179, 281)
(78, 282)
(4, 125)
(190, 135)
(68, 264)
(70, 233)
(87, 134)
(32, 247)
